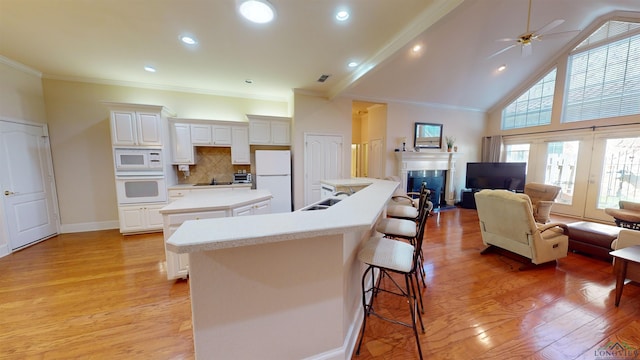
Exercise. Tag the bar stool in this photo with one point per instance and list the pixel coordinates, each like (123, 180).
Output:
(407, 228)
(392, 256)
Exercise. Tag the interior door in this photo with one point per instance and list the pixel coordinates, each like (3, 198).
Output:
(27, 185)
(322, 161)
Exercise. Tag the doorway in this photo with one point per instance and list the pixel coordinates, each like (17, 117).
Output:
(594, 169)
(322, 160)
(28, 207)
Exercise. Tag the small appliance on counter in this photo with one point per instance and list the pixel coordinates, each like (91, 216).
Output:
(242, 178)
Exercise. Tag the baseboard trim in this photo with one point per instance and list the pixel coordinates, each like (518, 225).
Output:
(93, 226)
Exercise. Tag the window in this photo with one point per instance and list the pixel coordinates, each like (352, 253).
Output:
(533, 108)
(562, 157)
(620, 180)
(604, 79)
(517, 153)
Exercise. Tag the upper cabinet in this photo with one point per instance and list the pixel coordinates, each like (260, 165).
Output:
(137, 125)
(240, 154)
(182, 151)
(186, 134)
(210, 135)
(269, 130)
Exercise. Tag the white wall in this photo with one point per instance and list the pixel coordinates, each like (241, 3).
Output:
(466, 126)
(21, 99)
(81, 141)
(314, 114)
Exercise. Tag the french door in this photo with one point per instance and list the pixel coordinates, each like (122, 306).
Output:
(595, 170)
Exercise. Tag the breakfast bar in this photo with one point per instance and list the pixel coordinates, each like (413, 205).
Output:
(280, 286)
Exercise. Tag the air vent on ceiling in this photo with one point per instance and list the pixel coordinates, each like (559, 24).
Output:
(323, 78)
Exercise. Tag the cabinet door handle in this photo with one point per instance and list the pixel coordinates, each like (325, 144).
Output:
(7, 192)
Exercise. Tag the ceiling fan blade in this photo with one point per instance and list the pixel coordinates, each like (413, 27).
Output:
(545, 29)
(507, 40)
(558, 34)
(527, 49)
(501, 51)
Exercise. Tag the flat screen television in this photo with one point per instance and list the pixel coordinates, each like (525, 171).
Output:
(496, 175)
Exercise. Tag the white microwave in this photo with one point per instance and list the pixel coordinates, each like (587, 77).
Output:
(141, 189)
(142, 160)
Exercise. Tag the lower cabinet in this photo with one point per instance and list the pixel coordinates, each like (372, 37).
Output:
(263, 207)
(178, 264)
(140, 218)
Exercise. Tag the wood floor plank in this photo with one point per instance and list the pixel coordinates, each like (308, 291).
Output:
(104, 295)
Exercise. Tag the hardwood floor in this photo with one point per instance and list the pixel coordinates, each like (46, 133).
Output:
(103, 295)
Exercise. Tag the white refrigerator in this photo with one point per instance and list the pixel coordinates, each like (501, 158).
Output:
(273, 173)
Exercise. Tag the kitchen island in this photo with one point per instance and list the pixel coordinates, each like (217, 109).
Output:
(280, 286)
(207, 204)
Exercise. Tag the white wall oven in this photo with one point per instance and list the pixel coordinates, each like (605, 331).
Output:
(141, 189)
(138, 161)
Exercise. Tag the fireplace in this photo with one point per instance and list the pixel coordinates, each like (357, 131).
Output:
(437, 168)
(435, 180)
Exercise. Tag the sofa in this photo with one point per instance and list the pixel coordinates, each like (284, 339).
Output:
(507, 222)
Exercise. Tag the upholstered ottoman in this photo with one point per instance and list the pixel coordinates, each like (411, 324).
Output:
(592, 238)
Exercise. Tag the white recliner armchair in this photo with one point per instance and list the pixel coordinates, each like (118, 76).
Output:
(507, 222)
(628, 238)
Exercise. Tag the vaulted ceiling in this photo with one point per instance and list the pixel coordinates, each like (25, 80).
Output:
(111, 41)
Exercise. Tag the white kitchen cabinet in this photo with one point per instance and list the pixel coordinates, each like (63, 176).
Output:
(178, 264)
(280, 132)
(263, 207)
(140, 218)
(269, 130)
(134, 128)
(182, 151)
(210, 135)
(240, 154)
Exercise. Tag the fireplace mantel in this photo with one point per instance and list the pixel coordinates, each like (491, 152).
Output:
(409, 161)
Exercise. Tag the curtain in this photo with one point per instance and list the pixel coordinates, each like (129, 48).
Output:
(491, 148)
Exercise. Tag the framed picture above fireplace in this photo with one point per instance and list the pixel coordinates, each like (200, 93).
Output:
(427, 136)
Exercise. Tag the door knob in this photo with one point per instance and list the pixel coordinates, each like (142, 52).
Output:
(7, 192)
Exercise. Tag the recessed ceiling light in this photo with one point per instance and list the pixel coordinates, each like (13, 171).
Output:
(149, 68)
(502, 68)
(189, 40)
(353, 64)
(416, 48)
(257, 11)
(342, 15)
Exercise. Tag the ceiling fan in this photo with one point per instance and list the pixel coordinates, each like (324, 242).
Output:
(526, 40)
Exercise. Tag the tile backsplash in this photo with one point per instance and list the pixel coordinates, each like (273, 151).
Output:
(212, 163)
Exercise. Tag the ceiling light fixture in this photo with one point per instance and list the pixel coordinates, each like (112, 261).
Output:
(342, 15)
(353, 64)
(149, 68)
(188, 40)
(502, 68)
(416, 48)
(257, 11)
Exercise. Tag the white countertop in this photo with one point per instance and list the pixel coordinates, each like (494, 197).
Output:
(355, 213)
(192, 186)
(215, 200)
(348, 182)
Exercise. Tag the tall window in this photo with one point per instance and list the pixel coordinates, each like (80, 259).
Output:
(604, 79)
(620, 173)
(562, 157)
(532, 108)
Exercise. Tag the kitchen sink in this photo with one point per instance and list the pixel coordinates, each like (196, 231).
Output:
(329, 202)
(322, 205)
(214, 183)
